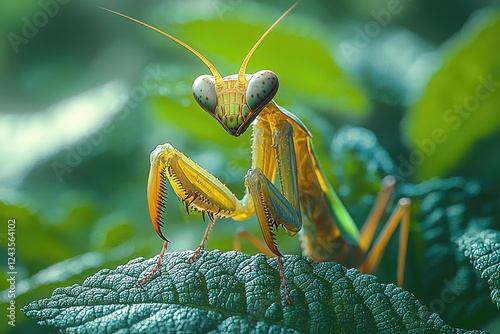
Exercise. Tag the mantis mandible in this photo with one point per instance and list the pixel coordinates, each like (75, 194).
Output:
(281, 144)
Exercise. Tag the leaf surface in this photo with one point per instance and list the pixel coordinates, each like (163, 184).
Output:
(234, 293)
(483, 250)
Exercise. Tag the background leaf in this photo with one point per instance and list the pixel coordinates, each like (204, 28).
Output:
(445, 124)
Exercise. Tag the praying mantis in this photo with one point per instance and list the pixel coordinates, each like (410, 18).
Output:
(281, 145)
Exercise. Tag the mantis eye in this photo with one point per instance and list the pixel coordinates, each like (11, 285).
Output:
(204, 93)
(261, 89)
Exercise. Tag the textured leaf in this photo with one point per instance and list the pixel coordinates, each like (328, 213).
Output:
(445, 209)
(233, 292)
(460, 105)
(483, 250)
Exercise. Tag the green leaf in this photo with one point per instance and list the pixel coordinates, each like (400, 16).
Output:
(460, 104)
(234, 293)
(483, 250)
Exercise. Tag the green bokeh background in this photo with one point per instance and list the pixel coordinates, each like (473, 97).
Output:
(86, 95)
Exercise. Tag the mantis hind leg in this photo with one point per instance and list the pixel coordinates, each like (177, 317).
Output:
(250, 237)
(400, 215)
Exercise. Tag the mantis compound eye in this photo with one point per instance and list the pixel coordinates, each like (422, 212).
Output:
(261, 89)
(204, 93)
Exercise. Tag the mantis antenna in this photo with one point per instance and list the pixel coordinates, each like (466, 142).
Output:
(218, 78)
(241, 73)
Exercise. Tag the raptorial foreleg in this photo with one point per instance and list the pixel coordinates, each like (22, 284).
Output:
(198, 190)
(273, 207)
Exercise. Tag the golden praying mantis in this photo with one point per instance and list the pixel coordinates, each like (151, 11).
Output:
(281, 145)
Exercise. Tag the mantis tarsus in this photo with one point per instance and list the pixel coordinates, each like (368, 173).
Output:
(282, 145)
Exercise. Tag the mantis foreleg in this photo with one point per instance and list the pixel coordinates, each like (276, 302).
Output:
(275, 208)
(203, 192)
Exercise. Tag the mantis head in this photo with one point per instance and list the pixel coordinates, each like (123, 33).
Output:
(233, 104)
(235, 100)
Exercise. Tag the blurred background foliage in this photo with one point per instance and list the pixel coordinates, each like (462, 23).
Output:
(86, 95)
